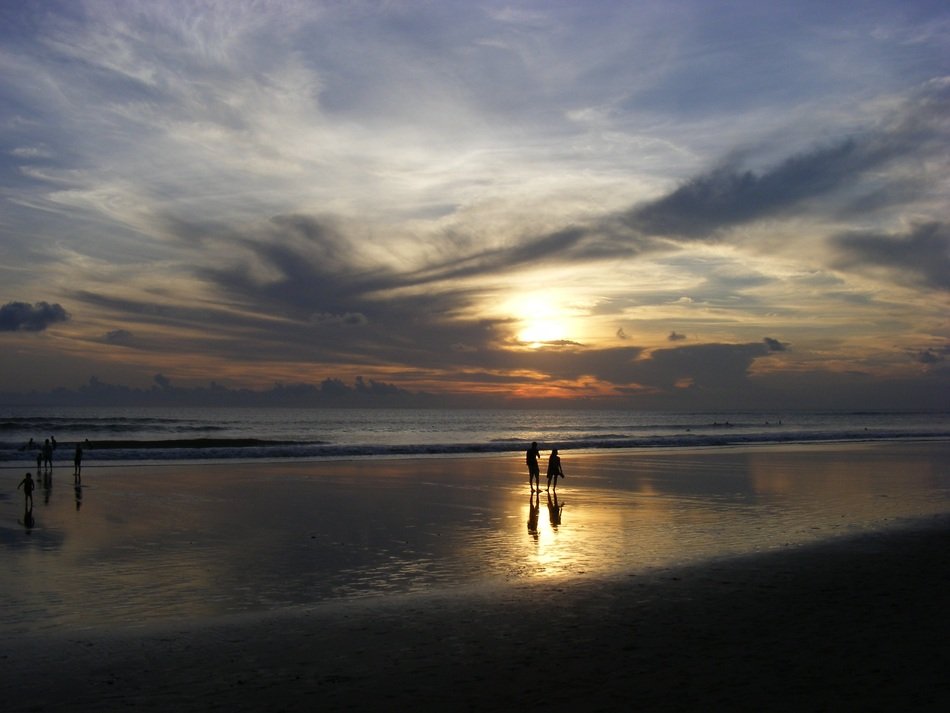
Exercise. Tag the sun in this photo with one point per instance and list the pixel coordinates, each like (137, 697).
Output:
(540, 331)
(539, 322)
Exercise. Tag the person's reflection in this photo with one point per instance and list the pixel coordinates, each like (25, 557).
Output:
(78, 497)
(28, 522)
(533, 509)
(554, 510)
(47, 486)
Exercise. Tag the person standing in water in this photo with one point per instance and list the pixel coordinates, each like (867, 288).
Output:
(77, 464)
(47, 455)
(534, 471)
(554, 469)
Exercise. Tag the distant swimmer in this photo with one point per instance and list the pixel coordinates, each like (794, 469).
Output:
(534, 471)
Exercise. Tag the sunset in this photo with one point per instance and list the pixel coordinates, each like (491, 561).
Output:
(297, 296)
(635, 205)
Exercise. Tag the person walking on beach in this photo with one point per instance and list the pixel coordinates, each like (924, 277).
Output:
(554, 469)
(534, 471)
(27, 485)
(77, 464)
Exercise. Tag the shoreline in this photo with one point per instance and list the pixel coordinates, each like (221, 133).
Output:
(855, 624)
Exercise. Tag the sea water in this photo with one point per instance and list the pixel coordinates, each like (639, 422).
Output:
(225, 434)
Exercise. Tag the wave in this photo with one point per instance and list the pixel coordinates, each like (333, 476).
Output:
(94, 426)
(227, 449)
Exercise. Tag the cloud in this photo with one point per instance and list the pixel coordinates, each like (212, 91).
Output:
(919, 257)
(325, 189)
(931, 355)
(350, 319)
(118, 336)
(709, 367)
(162, 381)
(24, 317)
(730, 195)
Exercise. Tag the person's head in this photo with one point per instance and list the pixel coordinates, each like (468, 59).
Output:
(534, 444)
(554, 451)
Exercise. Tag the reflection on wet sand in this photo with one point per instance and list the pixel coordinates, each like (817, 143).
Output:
(533, 511)
(192, 541)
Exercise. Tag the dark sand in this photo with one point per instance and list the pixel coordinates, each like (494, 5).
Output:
(858, 622)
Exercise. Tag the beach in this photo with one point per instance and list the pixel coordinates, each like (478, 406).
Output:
(778, 578)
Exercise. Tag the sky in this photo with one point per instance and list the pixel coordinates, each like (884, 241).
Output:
(657, 204)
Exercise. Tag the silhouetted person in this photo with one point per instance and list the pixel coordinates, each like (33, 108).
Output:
(534, 471)
(77, 464)
(28, 485)
(554, 469)
(48, 455)
(533, 509)
(554, 510)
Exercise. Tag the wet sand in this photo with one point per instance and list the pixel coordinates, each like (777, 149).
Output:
(844, 621)
(858, 624)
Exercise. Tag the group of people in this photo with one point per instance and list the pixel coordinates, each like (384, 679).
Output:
(44, 467)
(534, 469)
(44, 457)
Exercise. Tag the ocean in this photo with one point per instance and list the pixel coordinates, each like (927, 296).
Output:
(236, 434)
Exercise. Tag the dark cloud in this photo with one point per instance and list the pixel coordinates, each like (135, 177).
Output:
(118, 336)
(775, 345)
(162, 381)
(729, 195)
(603, 238)
(707, 367)
(293, 292)
(920, 257)
(330, 392)
(932, 355)
(24, 317)
(713, 367)
(349, 319)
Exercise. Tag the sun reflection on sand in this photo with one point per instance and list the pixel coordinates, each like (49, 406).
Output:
(189, 541)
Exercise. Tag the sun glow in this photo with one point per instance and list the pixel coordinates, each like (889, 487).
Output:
(540, 322)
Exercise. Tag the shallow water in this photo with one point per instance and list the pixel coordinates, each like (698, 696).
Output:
(142, 544)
